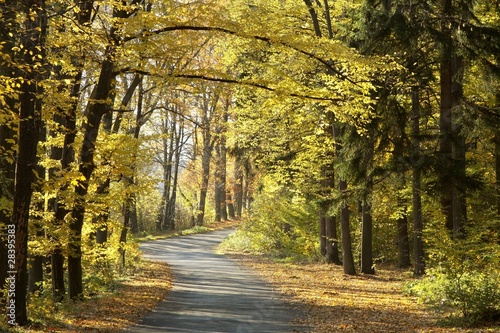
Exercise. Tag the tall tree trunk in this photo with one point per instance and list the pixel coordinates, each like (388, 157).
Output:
(345, 229)
(367, 232)
(458, 152)
(168, 155)
(402, 220)
(218, 187)
(67, 157)
(28, 136)
(209, 105)
(238, 184)
(332, 243)
(179, 144)
(35, 271)
(452, 142)
(418, 244)
(8, 131)
(96, 111)
(322, 229)
(445, 119)
(230, 205)
(345, 224)
(403, 241)
(205, 169)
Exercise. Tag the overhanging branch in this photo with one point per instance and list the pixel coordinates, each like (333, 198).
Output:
(327, 63)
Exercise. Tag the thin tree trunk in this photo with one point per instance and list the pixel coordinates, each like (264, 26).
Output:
(418, 244)
(205, 163)
(230, 205)
(322, 230)
(238, 184)
(35, 272)
(367, 232)
(167, 179)
(458, 153)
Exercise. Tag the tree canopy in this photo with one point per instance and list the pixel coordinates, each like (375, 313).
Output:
(357, 132)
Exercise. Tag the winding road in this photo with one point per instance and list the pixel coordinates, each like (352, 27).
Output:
(211, 292)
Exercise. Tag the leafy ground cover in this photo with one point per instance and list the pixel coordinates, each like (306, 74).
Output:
(107, 313)
(335, 302)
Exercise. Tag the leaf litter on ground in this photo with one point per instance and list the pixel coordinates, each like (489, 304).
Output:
(334, 302)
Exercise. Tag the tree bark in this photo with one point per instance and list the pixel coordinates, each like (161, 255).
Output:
(8, 131)
(322, 229)
(459, 150)
(418, 244)
(238, 184)
(402, 220)
(96, 111)
(28, 136)
(347, 256)
(367, 232)
(67, 157)
(205, 167)
(445, 119)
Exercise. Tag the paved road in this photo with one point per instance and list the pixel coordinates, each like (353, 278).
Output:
(211, 293)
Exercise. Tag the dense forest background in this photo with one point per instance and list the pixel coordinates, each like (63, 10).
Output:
(356, 132)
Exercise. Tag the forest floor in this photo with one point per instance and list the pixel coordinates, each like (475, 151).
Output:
(335, 302)
(111, 312)
(330, 300)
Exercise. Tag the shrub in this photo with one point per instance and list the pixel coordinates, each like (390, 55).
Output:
(472, 294)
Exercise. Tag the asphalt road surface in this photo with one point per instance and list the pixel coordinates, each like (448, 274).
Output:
(212, 293)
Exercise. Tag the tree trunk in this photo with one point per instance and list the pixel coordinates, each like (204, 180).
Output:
(35, 271)
(86, 168)
(367, 232)
(67, 158)
(28, 136)
(322, 230)
(8, 132)
(238, 185)
(230, 205)
(179, 143)
(332, 247)
(403, 242)
(205, 164)
(445, 119)
(345, 228)
(168, 155)
(217, 189)
(418, 244)
(458, 153)
(400, 174)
